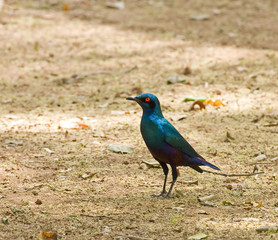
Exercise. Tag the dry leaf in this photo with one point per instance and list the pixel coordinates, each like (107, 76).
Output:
(206, 198)
(227, 203)
(152, 164)
(117, 5)
(73, 123)
(38, 202)
(65, 7)
(81, 125)
(201, 105)
(120, 148)
(216, 103)
(48, 150)
(198, 236)
(48, 236)
(259, 204)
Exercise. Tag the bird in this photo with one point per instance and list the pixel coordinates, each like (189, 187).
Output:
(165, 143)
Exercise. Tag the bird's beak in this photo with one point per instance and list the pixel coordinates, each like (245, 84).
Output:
(132, 99)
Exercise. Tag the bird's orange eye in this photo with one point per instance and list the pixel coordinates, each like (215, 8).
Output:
(147, 99)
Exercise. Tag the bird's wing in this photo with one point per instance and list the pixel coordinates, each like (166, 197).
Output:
(176, 140)
(173, 138)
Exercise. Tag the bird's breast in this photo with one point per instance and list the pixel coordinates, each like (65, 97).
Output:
(152, 132)
(153, 135)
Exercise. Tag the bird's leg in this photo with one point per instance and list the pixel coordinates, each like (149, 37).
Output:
(175, 176)
(165, 170)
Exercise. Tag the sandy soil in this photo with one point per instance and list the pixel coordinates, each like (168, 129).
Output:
(66, 68)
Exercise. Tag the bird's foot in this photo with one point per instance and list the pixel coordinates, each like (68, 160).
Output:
(170, 196)
(161, 195)
(164, 195)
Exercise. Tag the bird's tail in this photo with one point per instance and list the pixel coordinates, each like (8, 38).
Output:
(202, 161)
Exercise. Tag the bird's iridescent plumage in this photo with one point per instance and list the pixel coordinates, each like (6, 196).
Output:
(165, 143)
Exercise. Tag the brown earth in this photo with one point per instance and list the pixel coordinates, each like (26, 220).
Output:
(89, 193)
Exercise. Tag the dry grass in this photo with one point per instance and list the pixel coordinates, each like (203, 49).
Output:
(41, 45)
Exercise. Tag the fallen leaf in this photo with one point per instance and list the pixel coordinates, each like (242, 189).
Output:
(81, 125)
(48, 150)
(199, 103)
(104, 105)
(143, 166)
(267, 228)
(241, 69)
(116, 5)
(88, 175)
(120, 148)
(152, 164)
(5, 220)
(216, 11)
(208, 204)
(200, 17)
(178, 208)
(175, 79)
(260, 157)
(65, 7)
(48, 236)
(178, 118)
(206, 198)
(228, 135)
(202, 212)
(99, 134)
(38, 202)
(106, 229)
(194, 98)
(187, 71)
(273, 124)
(13, 142)
(259, 204)
(198, 236)
(216, 103)
(227, 203)
(73, 123)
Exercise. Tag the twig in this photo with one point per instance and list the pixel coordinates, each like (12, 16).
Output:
(199, 103)
(271, 124)
(132, 237)
(36, 186)
(263, 163)
(235, 174)
(103, 72)
(95, 216)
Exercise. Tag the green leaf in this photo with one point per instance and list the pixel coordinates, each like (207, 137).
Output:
(194, 98)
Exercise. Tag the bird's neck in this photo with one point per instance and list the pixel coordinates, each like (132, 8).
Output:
(152, 112)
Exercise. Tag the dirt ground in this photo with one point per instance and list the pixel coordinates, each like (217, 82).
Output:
(66, 68)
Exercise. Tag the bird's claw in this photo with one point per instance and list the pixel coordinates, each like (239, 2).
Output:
(164, 195)
(170, 196)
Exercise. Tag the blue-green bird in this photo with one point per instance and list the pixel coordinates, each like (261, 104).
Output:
(164, 142)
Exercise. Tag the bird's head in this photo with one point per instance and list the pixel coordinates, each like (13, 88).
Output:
(148, 102)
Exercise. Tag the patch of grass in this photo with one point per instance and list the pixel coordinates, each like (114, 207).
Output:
(175, 219)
